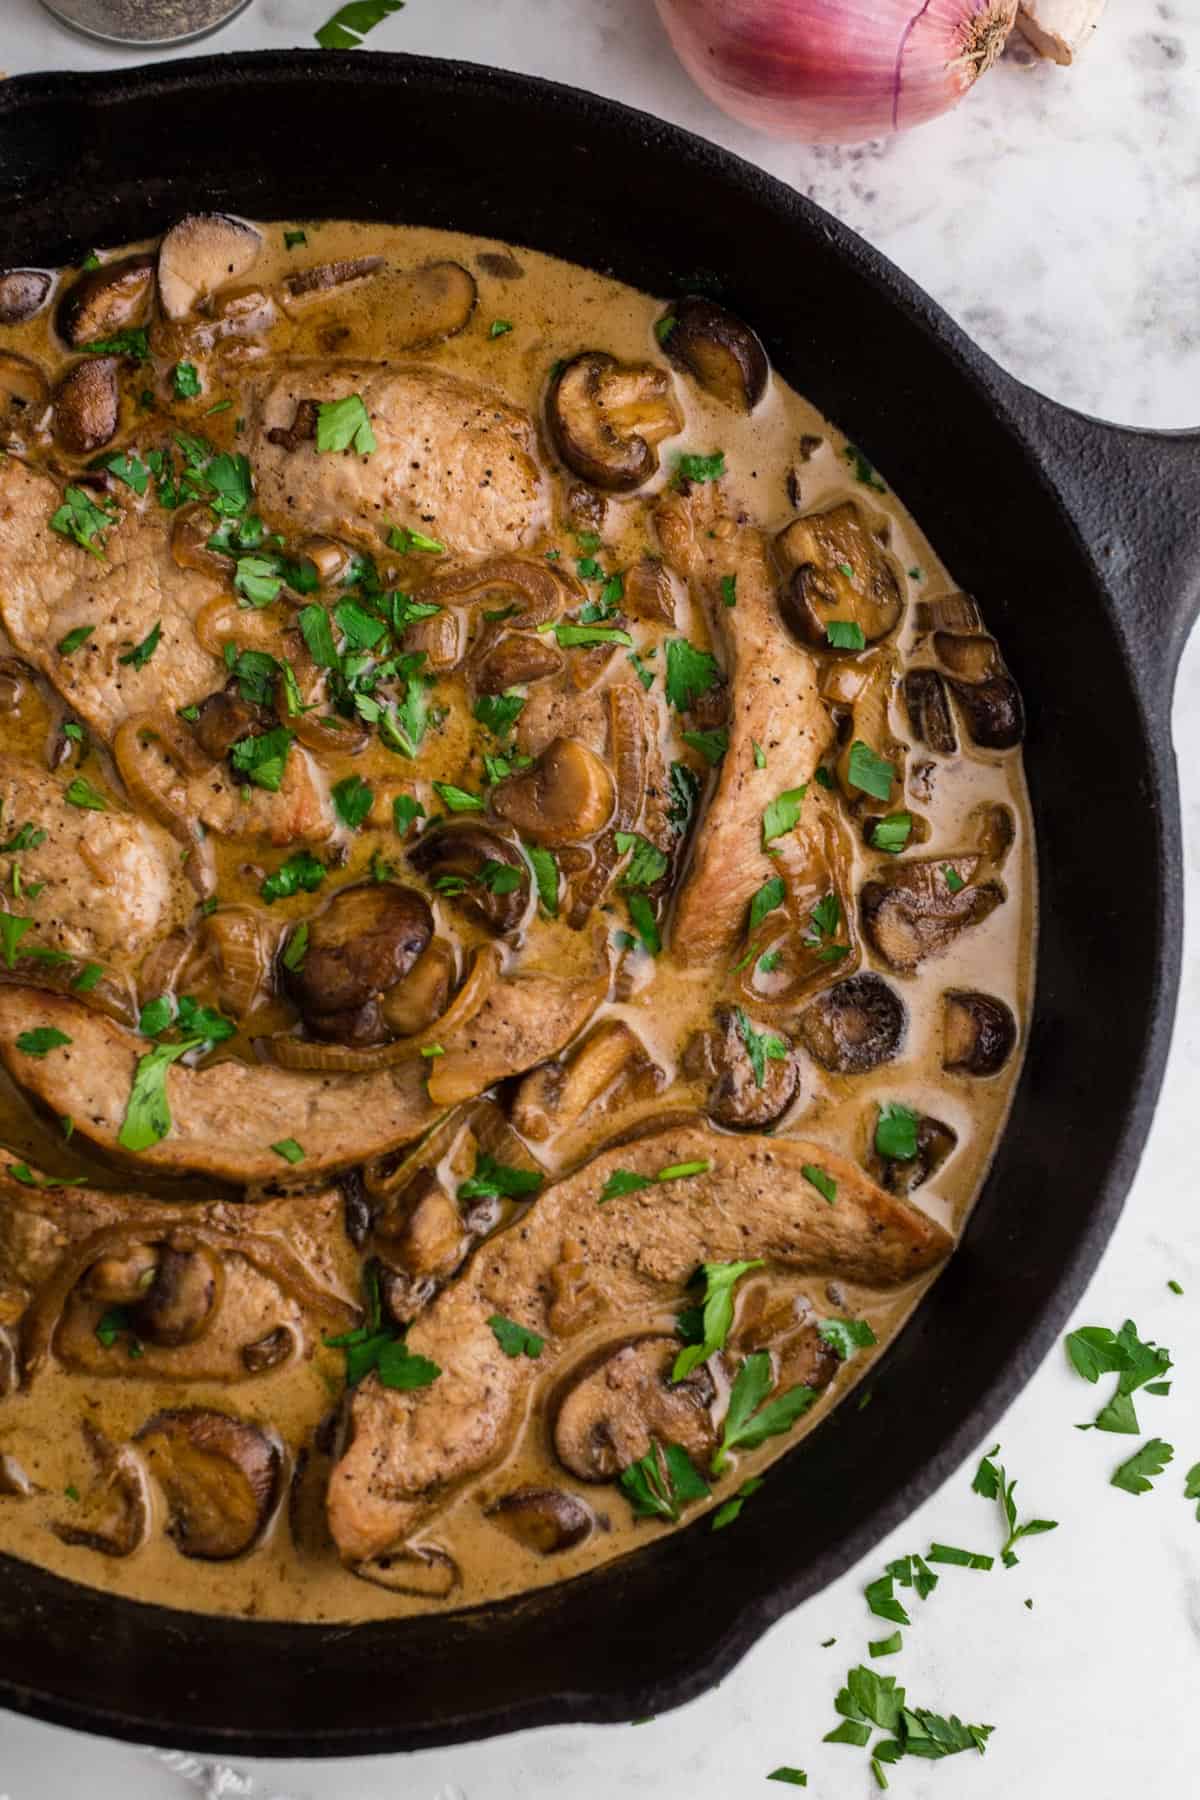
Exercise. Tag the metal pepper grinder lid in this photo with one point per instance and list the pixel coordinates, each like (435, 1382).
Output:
(149, 24)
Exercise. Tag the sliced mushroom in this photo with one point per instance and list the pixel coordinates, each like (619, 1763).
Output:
(321, 280)
(114, 1517)
(330, 558)
(736, 1096)
(87, 406)
(24, 399)
(718, 349)
(565, 798)
(223, 719)
(994, 712)
(418, 1569)
(860, 691)
(22, 294)
(500, 264)
(425, 306)
(543, 1519)
(519, 657)
(918, 908)
(302, 429)
(995, 832)
(364, 942)
(952, 612)
(220, 1476)
(422, 1239)
(605, 418)
(106, 300)
(902, 1175)
(121, 1280)
(971, 658)
(854, 1026)
(459, 861)
(784, 1325)
(8, 1365)
(836, 571)
(200, 254)
(422, 995)
(979, 1033)
(440, 639)
(929, 710)
(269, 1352)
(557, 1095)
(191, 528)
(586, 509)
(650, 591)
(14, 678)
(14, 1482)
(181, 1300)
(610, 1416)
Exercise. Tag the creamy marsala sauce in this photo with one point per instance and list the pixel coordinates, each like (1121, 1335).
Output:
(732, 870)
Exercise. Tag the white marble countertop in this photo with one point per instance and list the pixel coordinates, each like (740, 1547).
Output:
(1056, 215)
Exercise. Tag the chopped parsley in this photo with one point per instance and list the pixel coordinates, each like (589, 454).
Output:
(644, 675)
(663, 1482)
(128, 467)
(692, 467)
(289, 1149)
(140, 655)
(729, 590)
(826, 921)
(954, 880)
(628, 1181)
(712, 745)
(690, 673)
(75, 640)
(570, 636)
(352, 801)
(960, 1559)
(458, 800)
(770, 895)
(147, 1111)
(263, 759)
(499, 712)
(404, 811)
(296, 948)
(493, 1179)
(896, 1132)
(40, 1041)
(863, 470)
(514, 1339)
(824, 1183)
(847, 1336)
(731, 1509)
(641, 917)
(545, 874)
(401, 539)
(301, 873)
(892, 834)
(499, 327)
(1191, 1485)
(761, 1046)
(28, 837)
(12, 930)
(81, 793)
(683, 795)
(185, 381)
(343, 423)
(664, 327)
(293, 240)
(993, 1483)
(720, 1280)
(134, 343)
(646, 865)
(256, 580)
(782, 814)
(1094, 1350)
(748, 1422)
(845, 634)
(83, 521)
(1137, 1475)
(870, 773)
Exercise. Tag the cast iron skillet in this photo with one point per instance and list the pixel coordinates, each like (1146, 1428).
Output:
(1082, 542)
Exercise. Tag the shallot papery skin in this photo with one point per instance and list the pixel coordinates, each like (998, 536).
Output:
(836, 71)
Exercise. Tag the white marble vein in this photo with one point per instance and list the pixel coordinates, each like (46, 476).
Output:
(1057, 216)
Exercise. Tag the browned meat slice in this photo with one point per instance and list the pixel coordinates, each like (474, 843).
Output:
(226, 1116)
(453, 460)
(97, 882)
(777, 706)
(753, 1200)
(50, 588)
(123, 1284)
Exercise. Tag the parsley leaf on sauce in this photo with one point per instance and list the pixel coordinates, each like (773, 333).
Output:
(896, 1132)
(748, 1422)
(690, 673)
(870, 773)
(514, 1339)
(493, 1179)
(720, 1280)
(663, 1482)
(352, 801)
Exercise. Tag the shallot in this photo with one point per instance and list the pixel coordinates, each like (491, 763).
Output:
(837, 71)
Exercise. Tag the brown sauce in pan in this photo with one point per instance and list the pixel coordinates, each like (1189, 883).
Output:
(781, 459)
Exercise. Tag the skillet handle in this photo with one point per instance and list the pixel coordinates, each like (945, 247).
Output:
(1135, 499)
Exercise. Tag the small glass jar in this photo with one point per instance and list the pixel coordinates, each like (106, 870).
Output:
(151, 24)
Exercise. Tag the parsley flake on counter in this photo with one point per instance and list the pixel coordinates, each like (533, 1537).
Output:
(1191, 1485)
(663, 1482)
(1094, 1350)
(783, 813)
(74, 640)
(301, 873)
(83, 521)
(1175, 1287)
(896, 1132)
(693, 467)
(869, 773)
(1137, 1475)
(892, 834)
(960, 1559)
(888, 1646)
(493, 1179)
(845, 634)
(40, 1041)
(81, 793)
(289, 1149)
(690, 673)
(992, 1482)
(824, 1183)
(342, 423)
(185, 381)
(793, 1777)
(403, 540)
(847, 1336)
(720, 1280)
(514, 1339)
(748, 1422)
(352, 801)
